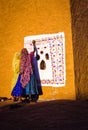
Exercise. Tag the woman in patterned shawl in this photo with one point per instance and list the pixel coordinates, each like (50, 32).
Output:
(31, 89)
(25, 67)
(26, 84)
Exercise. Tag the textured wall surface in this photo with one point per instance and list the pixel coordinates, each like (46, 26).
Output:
(79, 10)
(20, 18)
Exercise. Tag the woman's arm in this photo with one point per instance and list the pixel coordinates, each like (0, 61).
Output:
(33, 42)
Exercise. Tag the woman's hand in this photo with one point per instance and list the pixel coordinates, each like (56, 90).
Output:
(33, 42)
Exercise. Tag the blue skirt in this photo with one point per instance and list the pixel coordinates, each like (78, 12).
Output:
(31, 88)
(17, 90)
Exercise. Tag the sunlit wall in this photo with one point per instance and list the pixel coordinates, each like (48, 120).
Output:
(20, 18)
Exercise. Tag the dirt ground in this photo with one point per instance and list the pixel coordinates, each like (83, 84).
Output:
(44, 115)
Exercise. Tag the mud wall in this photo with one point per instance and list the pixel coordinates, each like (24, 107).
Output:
(20, 18)
(79, 11)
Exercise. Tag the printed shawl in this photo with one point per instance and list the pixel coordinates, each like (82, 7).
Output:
(25, 67)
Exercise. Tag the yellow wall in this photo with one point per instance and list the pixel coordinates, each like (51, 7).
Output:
(20, 18)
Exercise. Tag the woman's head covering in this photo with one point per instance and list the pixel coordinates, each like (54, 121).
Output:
(16, 62)
(25, 67)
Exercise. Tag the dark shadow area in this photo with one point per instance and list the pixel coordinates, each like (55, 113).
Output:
(36, 72)
(3, 99)
(79, 22)
(45, 115)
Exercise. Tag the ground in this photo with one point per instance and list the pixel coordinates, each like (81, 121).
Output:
(44, 115)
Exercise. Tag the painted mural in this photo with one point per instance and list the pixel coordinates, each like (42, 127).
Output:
(49, 60)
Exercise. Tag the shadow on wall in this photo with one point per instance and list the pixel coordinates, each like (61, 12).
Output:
(36, 72)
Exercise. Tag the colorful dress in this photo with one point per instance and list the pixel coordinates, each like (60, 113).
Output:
(16, 84)
(23, 74)
(32, 88)
(18, 89)
(26, 83)
(15, 68)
